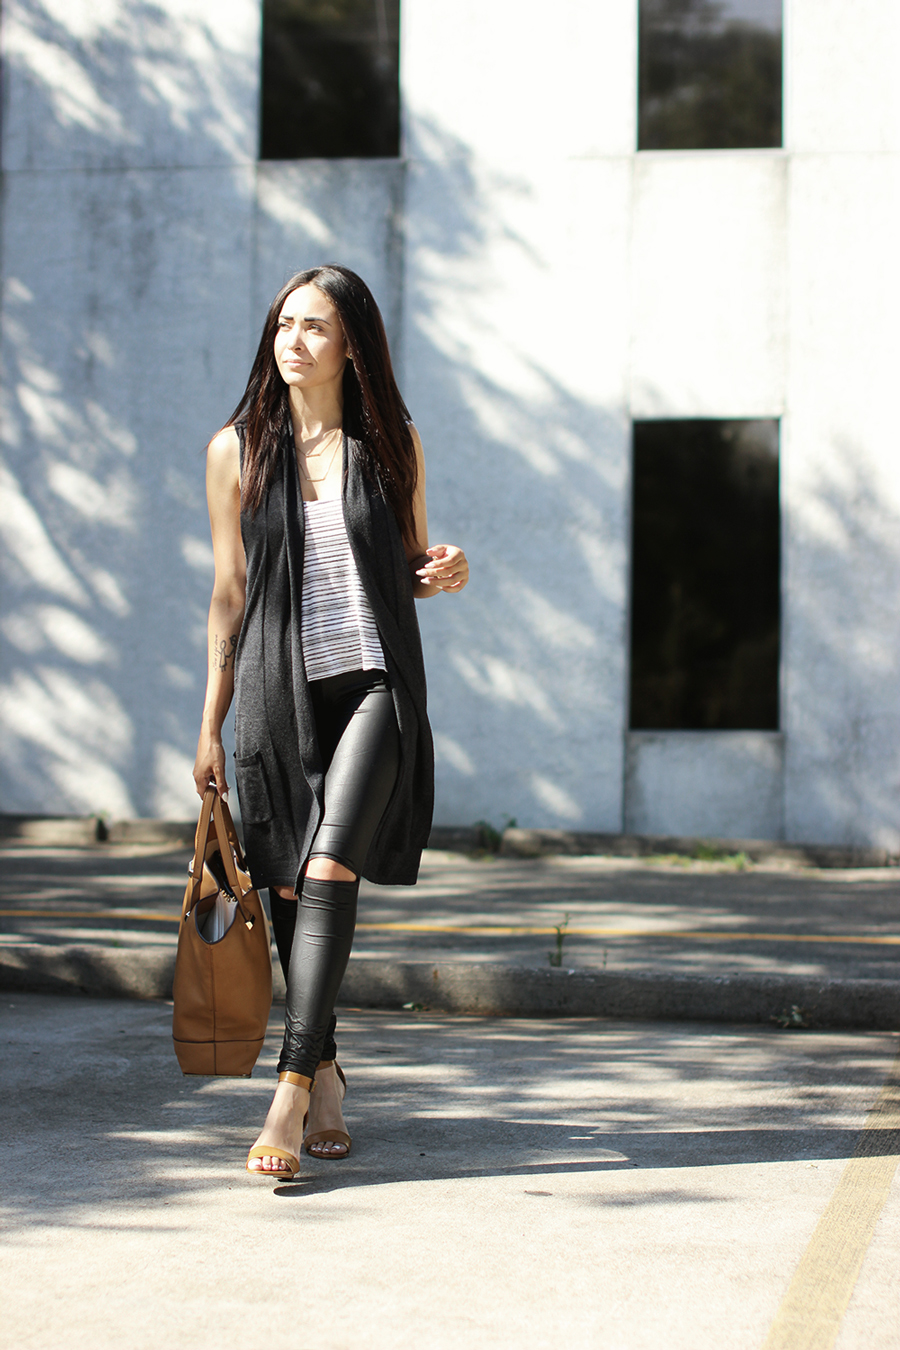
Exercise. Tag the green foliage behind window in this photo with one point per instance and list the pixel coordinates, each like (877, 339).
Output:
(710, 76)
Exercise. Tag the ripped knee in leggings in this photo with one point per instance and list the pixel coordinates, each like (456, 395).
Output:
(330, 867)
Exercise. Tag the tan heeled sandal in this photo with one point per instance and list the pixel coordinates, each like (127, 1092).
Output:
(292, 1167)
(330, 1136)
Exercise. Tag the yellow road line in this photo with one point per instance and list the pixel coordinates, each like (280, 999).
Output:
(813, 1308)
(496, 930)
(713, 934)
(153, 914)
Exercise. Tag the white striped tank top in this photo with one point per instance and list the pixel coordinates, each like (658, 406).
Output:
(338, 628)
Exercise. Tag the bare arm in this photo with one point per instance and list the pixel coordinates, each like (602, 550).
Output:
(226, 610)
(443, 567)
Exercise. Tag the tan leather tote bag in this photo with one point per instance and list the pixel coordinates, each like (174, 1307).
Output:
(222, 988)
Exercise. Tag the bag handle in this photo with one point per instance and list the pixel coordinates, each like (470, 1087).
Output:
(205, 825)
(215, 816)
(228, 844)
(201, 835)
(232, 834)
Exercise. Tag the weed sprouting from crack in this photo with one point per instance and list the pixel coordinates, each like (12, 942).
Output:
(794, 1018)
(555, 957)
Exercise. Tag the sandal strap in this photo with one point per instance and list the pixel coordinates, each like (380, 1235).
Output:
(297, 1079)
(327, 1064)
(270, 1151)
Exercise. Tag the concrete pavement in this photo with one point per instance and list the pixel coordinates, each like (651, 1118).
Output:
(587, 1184)
(633, 937)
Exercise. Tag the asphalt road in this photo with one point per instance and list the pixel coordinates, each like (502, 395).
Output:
(614, 914)
(512, 1183)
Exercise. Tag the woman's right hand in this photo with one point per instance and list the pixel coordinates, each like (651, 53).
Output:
(209, 766)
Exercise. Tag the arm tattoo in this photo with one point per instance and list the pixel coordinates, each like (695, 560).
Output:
(223, 651)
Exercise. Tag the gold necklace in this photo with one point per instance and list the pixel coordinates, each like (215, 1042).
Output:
(302, 458)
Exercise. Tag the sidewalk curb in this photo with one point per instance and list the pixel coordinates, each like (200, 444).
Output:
(101, 972)
(493, 990)
(517, 843)
(89, 831)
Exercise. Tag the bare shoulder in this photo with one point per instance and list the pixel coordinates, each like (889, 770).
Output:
(223, 457)
(417, 443)
(224, 448)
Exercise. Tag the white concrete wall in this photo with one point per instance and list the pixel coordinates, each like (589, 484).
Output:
(708, 318)
(519, 140)
(141, 247)
(128, 210)
(841, 462)
(767, 284)
(543, 284)
(719, 784)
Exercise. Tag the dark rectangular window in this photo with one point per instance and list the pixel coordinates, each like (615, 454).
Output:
(709, 74)
(705, 609)
(330, 79)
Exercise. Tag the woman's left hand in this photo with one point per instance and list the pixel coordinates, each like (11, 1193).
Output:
(448, 569)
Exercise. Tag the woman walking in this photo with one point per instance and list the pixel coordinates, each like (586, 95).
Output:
(316, 491)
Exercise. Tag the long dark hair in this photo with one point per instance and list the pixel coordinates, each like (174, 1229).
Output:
(376, 420)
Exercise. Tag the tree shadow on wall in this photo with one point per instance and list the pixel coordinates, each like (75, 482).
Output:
(842, 653)
(531, 470)
(528, 472)
(127, 329)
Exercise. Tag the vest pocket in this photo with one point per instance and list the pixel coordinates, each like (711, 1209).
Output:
(253, 789)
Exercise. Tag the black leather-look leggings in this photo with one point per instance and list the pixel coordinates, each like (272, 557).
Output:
(360, 746)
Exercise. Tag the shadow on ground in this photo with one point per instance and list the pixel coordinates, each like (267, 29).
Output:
(93, 1092)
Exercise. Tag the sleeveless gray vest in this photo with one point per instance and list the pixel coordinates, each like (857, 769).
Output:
(278, 767)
